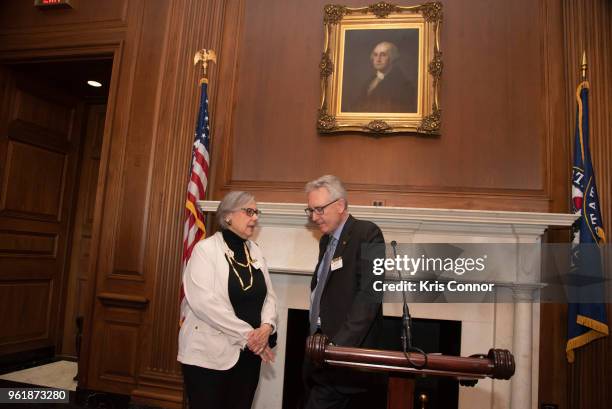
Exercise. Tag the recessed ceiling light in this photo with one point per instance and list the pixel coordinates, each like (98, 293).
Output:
(94, 83)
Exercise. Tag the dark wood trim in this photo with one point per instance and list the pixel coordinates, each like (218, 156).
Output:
(123, 300)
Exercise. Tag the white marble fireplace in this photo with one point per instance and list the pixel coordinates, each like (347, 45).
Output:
(291, 245)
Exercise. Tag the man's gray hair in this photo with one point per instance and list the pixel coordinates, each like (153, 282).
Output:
(332, 184)
(232, 201)
(393, 50)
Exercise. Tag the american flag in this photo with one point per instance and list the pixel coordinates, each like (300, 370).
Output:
(196, 188)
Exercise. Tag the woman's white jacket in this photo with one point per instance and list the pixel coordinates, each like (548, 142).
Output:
(211, 335)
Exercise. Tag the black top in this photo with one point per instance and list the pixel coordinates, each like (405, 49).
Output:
(247, 304)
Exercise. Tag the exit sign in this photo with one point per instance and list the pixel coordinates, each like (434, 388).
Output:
(53, 4)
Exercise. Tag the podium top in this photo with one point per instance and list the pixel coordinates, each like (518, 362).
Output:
(497, 364)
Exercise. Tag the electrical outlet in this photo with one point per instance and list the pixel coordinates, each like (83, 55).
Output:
(378, 202)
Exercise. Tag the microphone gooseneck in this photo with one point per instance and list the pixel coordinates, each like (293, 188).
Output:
(406, 320)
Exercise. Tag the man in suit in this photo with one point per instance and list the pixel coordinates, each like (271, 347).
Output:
(344, 305)
(388, 90)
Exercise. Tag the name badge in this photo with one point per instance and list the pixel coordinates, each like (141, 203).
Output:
(336, 263)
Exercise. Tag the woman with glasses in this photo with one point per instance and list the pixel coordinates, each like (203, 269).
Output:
(230, 311)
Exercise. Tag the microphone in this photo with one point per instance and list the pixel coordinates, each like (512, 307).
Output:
(406, 319)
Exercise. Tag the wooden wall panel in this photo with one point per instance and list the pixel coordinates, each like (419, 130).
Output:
(54, 119)
(22, 16)
(121, 243)
(493, 100)
(39, 153)
(139, 147)
(36, 179)
(587, 26)
(26, 306)
(30, 243)
(116, 355)
(120, 339)
(124, 181)
(38, 138)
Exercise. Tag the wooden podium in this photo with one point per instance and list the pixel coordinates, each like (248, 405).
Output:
(497, 364)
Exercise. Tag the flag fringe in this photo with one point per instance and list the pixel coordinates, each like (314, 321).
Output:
(597, 330)
(593, 324)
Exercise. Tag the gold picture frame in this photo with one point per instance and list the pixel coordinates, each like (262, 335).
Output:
(398, 89)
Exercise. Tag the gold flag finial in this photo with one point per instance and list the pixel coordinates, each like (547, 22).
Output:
(583, 66)
(204, 56)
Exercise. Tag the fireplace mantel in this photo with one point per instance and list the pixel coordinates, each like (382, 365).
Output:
(396, 218)
(290, 244)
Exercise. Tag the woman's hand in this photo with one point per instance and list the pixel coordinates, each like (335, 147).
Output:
(267, 355)
(257, 339)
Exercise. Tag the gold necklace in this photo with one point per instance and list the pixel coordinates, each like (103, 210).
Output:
(247, 255)
(232, 260)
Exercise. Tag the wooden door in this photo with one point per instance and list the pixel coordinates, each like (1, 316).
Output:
(39, 140)
(79, 278)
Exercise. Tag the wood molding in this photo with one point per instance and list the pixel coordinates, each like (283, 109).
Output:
(471, 222)
(159, 388)
(123, 300)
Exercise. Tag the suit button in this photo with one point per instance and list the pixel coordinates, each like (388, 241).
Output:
(196, 327)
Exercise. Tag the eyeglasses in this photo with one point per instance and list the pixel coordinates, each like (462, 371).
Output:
(319, 209)
(250, 211)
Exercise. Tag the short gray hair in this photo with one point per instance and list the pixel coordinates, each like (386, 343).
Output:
(232, 201)
(394, 53)
(333, 185)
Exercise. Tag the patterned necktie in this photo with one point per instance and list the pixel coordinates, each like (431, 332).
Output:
(316, 299)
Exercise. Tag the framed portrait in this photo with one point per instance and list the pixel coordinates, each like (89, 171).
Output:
(381, 69)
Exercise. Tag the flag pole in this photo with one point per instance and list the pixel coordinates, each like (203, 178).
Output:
(203, 57)
(583, 67)
(197, 185)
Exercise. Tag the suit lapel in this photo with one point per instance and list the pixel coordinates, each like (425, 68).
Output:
(344, 237)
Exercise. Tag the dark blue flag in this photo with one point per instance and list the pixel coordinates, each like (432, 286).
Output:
(586, 320)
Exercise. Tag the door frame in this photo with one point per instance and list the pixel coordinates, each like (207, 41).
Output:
(114, 51)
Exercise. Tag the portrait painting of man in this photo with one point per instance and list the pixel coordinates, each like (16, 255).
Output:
(380, 71)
